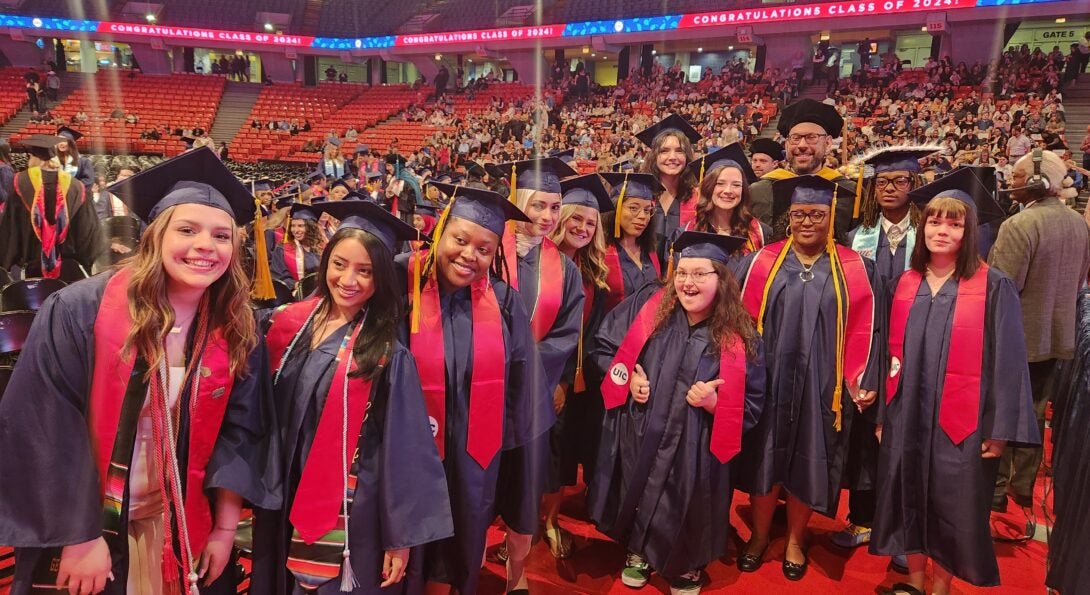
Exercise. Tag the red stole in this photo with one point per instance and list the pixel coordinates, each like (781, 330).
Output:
(550, 283)
(110, 380)
(319, 495)
(959, 408)
(487, 390)
(756, 237)
(726, 435)
(859, 324)
(615, 278)
(687, 210)
(289, 260)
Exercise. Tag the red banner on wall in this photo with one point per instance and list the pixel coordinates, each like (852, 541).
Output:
(482, 35)
(191, 34)
(812, 11)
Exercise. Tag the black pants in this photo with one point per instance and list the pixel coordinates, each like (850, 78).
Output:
(861, 505)
(1019, 465)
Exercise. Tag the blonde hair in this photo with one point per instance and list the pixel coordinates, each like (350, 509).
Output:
(153, 316)
(590, 258)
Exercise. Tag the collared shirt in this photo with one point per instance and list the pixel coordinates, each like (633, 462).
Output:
(902, 231)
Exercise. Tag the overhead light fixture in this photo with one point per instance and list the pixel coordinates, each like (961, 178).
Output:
(605, 57)
(269, 27)
(1061, 20)
(150, 17)
(586, 49)
(594, 55)
(654, 52)
(924, 28)
(439, 56)
(824, 37)
(470, 60)
(730, 47)
(699, 50)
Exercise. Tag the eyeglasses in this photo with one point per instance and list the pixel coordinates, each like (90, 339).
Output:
(900, 182)
(696, 276)
(636, 211)
(813, 216)
(810, 139)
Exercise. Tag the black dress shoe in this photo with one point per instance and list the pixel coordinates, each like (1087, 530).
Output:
(795, 572)
(751, 562)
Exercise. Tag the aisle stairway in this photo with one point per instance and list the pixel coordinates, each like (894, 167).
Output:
(70, 81)
(238, 99)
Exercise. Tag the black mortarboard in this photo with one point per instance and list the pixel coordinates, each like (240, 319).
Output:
(362, 149)
(304, 212)
(353, 195)
(194, 177)
(373, 219)
(483, 207)
(623, 166)
(495, 170)
(805, 190)
(427, 208)
(965, 186)
(898, 158)
(339, 183)
(315, 177)
(671, 122)
(41, 145)
(767, 146)
(586, 191)
(69, 133)
(336, 142)
(263, 185)
(699, 244)
(638, 185)
(731, 155)
(394, 159)
(567, 156)
(476, 170)
(808, 110)
(542, 175)
(374, 174)
(285, 201)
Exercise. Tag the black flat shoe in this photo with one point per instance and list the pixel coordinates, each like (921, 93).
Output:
(903, 589)
(795, 572)
(751, 562)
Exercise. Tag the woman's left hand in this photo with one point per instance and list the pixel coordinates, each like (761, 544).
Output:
(216, 555)
(703, 394)
(992, 449)
(394, 563)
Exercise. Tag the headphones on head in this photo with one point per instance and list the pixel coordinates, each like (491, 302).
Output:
(1038, 179)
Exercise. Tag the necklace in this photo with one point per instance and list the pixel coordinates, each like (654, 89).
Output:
(807, 273)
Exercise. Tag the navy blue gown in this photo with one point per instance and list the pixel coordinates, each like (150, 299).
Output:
(796, 444)
(887, 264)
(633, 275)
(656, 487)
(934, 497)
(280, 271)
(528, 414)
(49, 488)
(391, 508)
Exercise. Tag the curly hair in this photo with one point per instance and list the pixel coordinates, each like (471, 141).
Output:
(743, 218)
(868, 206)
(728, 317)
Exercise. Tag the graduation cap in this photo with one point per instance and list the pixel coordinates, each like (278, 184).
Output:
(373, 219)
(397, 160)
(303, 212)
(672, 122)
(965, 186)
(804, 190)
(767, 146)
(69, 133)
(476, 170)
(898, 158)
(285, 201)
(586, 191)
(567, 156)
(41, 145)
(699, 244)
(731, 155)
(816, 112)
(542, 175)
(339, 183)
(336, 142)
(362, 149)
(623, 166)
(494, 170)
(371, 175)
(315, 177)
(428, 208)
(263, 185)
(194, 177)
(488, 209)
(635, 185)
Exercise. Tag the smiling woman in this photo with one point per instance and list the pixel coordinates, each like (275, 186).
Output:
(119, 363)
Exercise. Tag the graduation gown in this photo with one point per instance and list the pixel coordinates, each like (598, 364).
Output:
(46, 443)
(888, 265)
(20, 246)
(280, 270)
(667, 223)
(633, 275)
(795, 443)
(917, 510)
(528, 413)
(555, 349)
(657, 489)
(392, 507)
(760, 196)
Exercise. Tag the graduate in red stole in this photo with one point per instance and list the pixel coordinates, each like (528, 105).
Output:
(552, 291)
(724, 204)
(299, 256)
(363, 480)
(958, 390)
(138, 418)
(483, 383)
(814, 304)
(670, 144)
(684, 379)
(631, 256)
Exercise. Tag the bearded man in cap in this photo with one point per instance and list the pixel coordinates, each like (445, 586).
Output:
(809, 127)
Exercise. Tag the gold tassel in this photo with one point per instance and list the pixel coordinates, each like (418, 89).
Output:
(579, 383)
(620, 203)
(263, 286)
(836, 270)
(670, 265)
(414, 320)
(511, 196)
(768, 282)
(703, 162)
(858, 190)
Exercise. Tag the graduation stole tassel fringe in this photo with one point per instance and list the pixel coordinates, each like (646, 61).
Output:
(263, 287)
(959, 406)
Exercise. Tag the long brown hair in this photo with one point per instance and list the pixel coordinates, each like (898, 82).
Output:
(742, 218)
(868, 206)
(728, 316)
(968, 260)
(687, 180)
(590, 258)
(153, 317)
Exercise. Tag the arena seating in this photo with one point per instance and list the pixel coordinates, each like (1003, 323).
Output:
(12, 92)
(178, 101)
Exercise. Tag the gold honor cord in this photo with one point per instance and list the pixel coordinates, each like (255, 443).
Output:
(429, 266)
(620, 203)
(263, 286)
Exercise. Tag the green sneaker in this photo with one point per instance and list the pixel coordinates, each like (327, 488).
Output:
(687, 584)
(636, 571)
